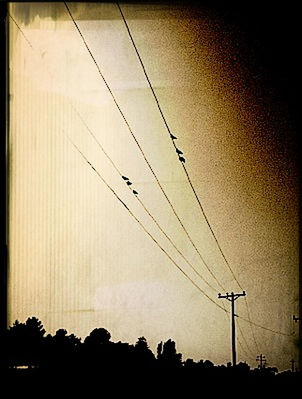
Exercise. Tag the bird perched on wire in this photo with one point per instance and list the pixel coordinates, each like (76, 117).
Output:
(128, 183)
(178, 151)
(125, 178)
(182, 159)
(173, 137)
(134, 192)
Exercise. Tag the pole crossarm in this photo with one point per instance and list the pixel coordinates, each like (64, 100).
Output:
(231, 296)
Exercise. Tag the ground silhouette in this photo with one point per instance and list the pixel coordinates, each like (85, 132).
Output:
(28, 354)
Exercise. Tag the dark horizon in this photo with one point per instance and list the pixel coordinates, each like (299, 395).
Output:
(27, 346)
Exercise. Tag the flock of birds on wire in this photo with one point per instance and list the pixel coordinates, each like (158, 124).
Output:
(180, 157)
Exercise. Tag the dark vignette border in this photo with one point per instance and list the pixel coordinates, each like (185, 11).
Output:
(3, 169)
(272, 32)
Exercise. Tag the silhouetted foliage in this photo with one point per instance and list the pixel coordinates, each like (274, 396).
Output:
(25, 345)
(167, 356)
(98, 336)
(60, 350)
(143, 354)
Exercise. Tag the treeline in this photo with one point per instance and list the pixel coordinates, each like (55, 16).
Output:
(26, 346)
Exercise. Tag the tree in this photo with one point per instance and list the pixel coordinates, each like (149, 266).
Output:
(190, 364)
(61, 349)
(159, 350)
(142, 353)
(167, 355)
(35, 327)
(24, 343)
(97, 351)
(141, 344)
(97, 337)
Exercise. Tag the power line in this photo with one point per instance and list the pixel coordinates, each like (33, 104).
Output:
(165, 252)
(173, 142)
(264, 328)
(246, 354)
(118, 171)
(140, 148)
(183, 165)
(242, 318)
(144, 228)
(245, 341)
(239, 341)
(21, 31)
(142, 203)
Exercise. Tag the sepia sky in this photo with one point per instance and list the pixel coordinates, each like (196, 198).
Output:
(77, 259)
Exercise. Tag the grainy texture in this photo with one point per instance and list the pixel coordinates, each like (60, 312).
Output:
(77, 260)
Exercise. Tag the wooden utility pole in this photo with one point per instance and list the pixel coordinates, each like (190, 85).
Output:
(232, 298)
(262, 361)
(295, 318)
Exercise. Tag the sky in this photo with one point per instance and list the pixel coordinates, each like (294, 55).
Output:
(77, 258)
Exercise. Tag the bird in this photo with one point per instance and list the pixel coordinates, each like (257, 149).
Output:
(125, 178)
(173, 137)
(135, 192)
(182, 159)
(178, 151)
(129, 183)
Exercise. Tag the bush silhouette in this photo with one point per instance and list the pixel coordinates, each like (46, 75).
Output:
(25, 344)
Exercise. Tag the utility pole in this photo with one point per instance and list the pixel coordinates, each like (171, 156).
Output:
(295, 318)
(293, 365)
(232, 298)
(262, 361)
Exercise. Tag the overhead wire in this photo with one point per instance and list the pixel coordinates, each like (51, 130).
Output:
(242, 318)
(264, 328)
(118, 171)
(162, 249)
(142, 203)
(21, 31)
(183, 165)
(243, 337)
(140, 148)
(143, 227)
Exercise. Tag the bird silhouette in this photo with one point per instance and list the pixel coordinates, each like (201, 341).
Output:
(129, 183)
(125, 178)
(173, 137)
(135, 192)
(178, 151)
(182, 159)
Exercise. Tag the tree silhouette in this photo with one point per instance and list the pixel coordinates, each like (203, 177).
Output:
(24, 343)
(167, 355)
(98, 336)
(97, 351)
(142, 354)
(60, 350)
(159, 350)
